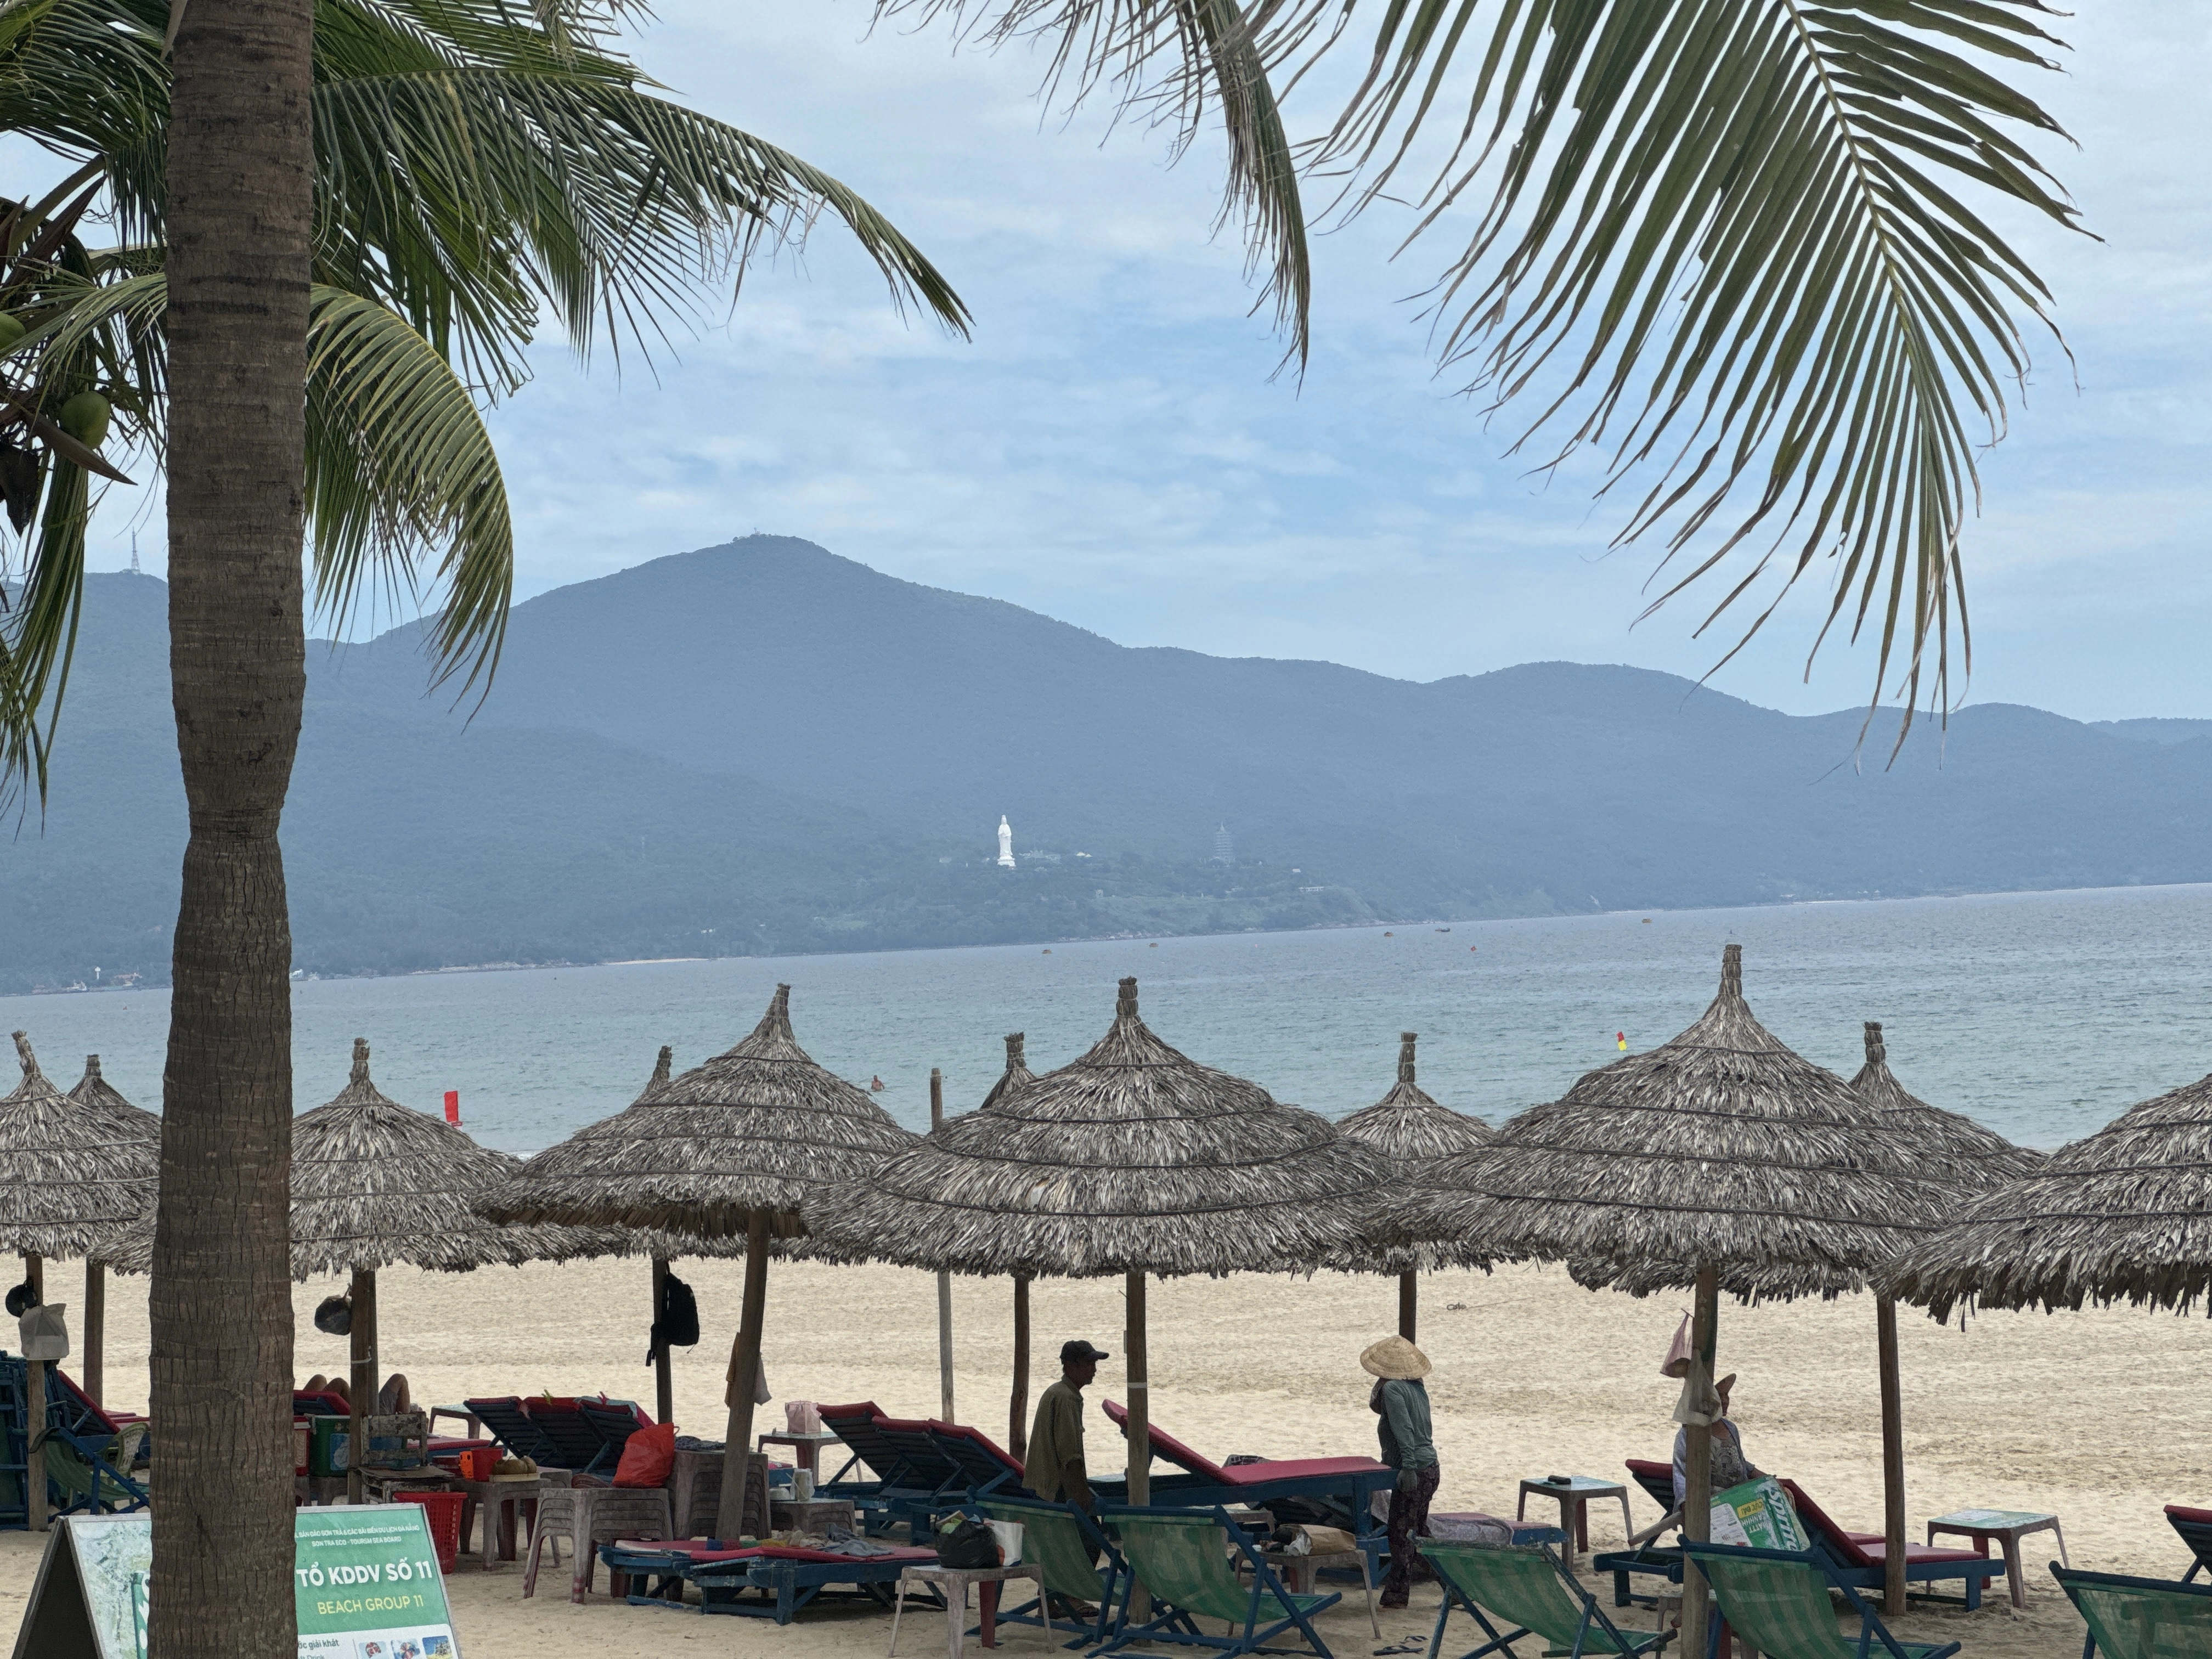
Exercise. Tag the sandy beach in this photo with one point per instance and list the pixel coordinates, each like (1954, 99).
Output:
(2098, 1417)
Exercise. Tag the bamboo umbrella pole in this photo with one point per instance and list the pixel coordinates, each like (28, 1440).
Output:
(96, 1322)
(361, 1385)
(1139, 1429)
(944, 1279)
(1018, 1415)
(1409, 1303)
(1698, 1486)
(34, 1411)
(745, 1381)
(1892, 1458)
(664, 1374)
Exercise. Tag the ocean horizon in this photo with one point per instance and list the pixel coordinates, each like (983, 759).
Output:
(2040, 1014)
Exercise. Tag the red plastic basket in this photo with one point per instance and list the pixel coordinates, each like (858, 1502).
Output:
(444, 1519)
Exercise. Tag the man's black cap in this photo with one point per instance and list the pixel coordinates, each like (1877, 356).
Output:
(1075, 1353)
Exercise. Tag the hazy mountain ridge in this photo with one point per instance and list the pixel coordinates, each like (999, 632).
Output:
(763, 746)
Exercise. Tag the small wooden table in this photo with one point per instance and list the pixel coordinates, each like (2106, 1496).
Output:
(2008, 1527)
(952, 1583)
(1574, 1506)
(805, 1448)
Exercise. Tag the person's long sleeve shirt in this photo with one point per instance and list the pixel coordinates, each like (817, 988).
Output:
(1730, 1468)
(1403, 1424)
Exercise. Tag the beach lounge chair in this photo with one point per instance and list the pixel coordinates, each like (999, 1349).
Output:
(978, 1462)
(576, 1444)
(1646, 1553)
(85, 1467)
(614, 1421)
(504, 1420)
(1342, 1488)
(1857, 1558)
(2195, 1526)
(1068, 1545)
(1181, 1556)
(786, 1576)
(1777, 1600)
(1528, 1588)
(2139, 1617)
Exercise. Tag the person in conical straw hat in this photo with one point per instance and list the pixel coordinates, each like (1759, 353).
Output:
(1399, 1400)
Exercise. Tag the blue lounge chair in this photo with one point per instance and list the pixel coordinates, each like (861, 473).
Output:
(78, 1452)
(1528, 1588)
(2140, 1618)
(1178, 1555)
(785, 1579)
(506, 1421)
(2195, 1528)
(1778, 1602)
(1857, 1559)
(1342, 1489)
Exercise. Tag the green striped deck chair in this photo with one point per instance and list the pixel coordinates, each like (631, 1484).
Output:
(2140, 1618)
(1182, 1556)
(1778, 1602)
(1530, 1589)
(1067, 1544)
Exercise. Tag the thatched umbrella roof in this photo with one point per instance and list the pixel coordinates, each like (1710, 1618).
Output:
(96, 1091)
(73, 1183)
(1130, 1159)
(375, 1184)
(749, 1132)
(1720, 1145)
(1946, 1146)
(1416, 1133)
(2125, 1215)
(1959, 1148)
(1017, 1075)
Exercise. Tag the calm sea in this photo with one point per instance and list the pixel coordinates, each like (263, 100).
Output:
(2041, 1014)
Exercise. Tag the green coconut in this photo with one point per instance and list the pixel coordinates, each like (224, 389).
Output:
(11, 329)
(84, 417)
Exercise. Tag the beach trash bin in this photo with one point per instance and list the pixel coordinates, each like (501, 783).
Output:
(443, 1512)
(327, 1450)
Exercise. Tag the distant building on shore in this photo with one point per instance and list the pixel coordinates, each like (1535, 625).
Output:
(1005, 844)
(1225, 845)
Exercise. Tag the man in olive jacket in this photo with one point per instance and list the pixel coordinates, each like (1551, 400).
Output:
(1054, 1462)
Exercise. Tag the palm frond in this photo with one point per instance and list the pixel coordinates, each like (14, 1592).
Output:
(1169, 59)
(400, 471)
(1732, 244)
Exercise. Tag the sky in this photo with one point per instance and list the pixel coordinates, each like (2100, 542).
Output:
(1115, 448)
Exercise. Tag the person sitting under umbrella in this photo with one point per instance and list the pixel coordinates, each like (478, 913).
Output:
(1730, 1467)
(1400, 1402)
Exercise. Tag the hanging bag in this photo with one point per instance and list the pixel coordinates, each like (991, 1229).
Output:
(675, 1320)
(1677, 1361)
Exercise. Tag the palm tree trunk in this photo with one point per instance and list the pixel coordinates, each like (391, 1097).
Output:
(240, 214)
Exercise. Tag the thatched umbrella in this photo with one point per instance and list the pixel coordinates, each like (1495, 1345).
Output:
(1415, 1132)
(2124, 1215)
(72, 1183)
(1132, 1160)
(97, 1093)
(728, 1149)
(1719, 1157)
(1975, 1160)
(375, 1184)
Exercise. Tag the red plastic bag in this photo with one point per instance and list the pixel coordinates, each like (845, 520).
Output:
(647, 1457)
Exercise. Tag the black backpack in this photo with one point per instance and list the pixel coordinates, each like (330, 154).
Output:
(675, 1320)
(964, 1542)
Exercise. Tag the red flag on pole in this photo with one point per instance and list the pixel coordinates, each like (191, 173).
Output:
(453, 1106)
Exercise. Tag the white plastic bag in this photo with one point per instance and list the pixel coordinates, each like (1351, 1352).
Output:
(1010, 1541)
(44, 1333)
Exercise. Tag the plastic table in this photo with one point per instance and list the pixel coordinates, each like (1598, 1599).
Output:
(1574, 1497)
(805, 1448)
(952, 1583)
(2008, 1527)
